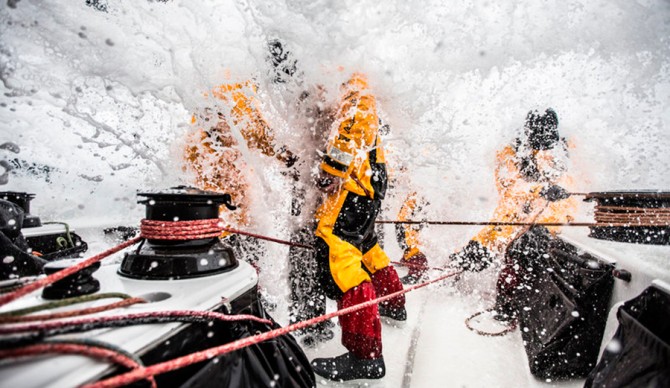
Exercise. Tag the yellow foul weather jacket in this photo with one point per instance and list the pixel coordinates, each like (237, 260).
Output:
(346, 217)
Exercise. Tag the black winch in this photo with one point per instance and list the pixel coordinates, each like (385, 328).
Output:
(163, 258)
(23, 200)
(632, 216)
(78, 284)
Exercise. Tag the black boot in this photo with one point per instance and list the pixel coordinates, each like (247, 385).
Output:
(348, 367)
(397, 314)
(317, 334)
(410, 279)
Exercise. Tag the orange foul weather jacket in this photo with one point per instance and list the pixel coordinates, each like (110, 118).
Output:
(212, 152)
(346, 217)
(519, 197)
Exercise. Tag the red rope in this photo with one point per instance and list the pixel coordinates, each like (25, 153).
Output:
(629, 223)
(87, 350)
(170, 314)
(261, 237)
(180, 362)
(68, 314)
(416, 266)
(181, 230)
(30, 287)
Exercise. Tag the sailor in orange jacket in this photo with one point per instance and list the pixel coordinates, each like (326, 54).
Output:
(530, 176)
(213, 154)
(353, 268)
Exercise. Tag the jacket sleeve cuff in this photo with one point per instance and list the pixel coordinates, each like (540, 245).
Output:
(333, 168)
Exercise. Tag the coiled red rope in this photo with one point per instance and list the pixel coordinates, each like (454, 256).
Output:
(633, 216)
(181, 230)
(198, 229)
(180, 362)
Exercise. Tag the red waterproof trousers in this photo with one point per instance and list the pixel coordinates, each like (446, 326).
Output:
(362, 329)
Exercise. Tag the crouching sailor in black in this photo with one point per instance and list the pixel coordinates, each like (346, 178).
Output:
(531, 174)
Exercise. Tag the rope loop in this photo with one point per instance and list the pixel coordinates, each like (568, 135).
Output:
(510, 328)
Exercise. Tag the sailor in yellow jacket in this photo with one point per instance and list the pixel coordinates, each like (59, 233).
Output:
(530, 176)
(352, 266)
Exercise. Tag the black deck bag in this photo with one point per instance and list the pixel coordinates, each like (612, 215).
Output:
(278, 362)
(562, 303)
(639, 353)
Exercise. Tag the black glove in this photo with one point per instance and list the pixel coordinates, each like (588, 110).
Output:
(287, 157)
(474, 257)
(554, 193)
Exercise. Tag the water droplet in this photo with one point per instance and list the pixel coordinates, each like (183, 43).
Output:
(614, 346)
(8, 259)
